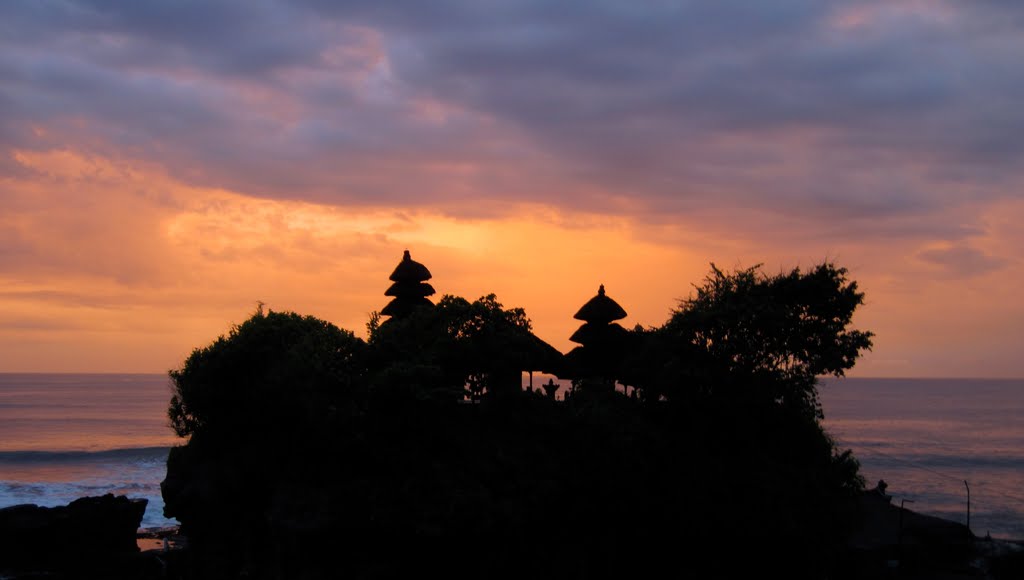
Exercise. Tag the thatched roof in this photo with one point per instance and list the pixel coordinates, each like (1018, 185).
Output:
(600, 309)
(543, 357)
(410, 289)
(409, 270)
(591, 333)
(403, 306)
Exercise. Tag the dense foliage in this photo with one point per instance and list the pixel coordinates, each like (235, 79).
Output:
(416, 452)
(272, 371)
(455, 348)
(751, 338)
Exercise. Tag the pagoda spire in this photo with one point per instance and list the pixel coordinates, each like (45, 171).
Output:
(409, 289)
(603, 341)
(600, 310)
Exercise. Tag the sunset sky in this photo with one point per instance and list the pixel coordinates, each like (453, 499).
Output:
(165, 165)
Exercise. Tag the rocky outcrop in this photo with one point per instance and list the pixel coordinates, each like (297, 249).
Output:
(88, 530)
(892, 539)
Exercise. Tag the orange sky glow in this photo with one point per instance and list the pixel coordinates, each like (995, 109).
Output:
(131, 269)
(154, 189)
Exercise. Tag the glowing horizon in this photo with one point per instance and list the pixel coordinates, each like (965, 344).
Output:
(157, 181)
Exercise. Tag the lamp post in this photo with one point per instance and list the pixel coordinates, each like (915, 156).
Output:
(968, 510)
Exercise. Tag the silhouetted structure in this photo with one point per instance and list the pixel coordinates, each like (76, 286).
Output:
(598, 314)
(603, 340)
(550, 388)
(495, 345)
(410, 289)
(311, 453)
(526, 352)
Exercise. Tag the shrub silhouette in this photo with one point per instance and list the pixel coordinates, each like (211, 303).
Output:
(273, 371)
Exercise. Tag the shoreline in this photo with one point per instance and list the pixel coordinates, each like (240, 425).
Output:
(161, 539)
(922, 546)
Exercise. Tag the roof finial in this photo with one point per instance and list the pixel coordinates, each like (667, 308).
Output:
(406, 255)
(600, 309)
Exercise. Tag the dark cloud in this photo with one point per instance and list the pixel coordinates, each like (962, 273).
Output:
(962, 261)
(228, 37)
(852, 110)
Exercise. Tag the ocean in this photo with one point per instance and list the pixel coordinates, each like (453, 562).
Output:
(64, 436)
(927, 437)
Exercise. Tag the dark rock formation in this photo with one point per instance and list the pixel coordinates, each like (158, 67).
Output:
(313, 455)
(86, 532)
(891, 538)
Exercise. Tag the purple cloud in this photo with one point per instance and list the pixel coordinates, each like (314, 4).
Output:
(860, 113)
(962, 261)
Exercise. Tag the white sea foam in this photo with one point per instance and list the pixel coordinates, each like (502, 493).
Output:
(65, 436)
(50, 479)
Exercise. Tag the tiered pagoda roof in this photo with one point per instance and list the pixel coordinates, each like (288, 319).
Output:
(598, 314)
(604, 343)
(409, 290)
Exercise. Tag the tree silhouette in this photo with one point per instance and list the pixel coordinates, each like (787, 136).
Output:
(756, 337)
(479, 345)
(273, 370)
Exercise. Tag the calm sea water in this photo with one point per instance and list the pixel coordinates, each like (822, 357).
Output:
(64, 436)
(926, 437)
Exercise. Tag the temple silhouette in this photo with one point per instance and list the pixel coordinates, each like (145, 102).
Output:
(425, 451)
(410, 288)
(590, 366)
(602, 342)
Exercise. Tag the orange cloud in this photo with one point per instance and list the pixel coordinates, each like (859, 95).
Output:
(113, 265)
